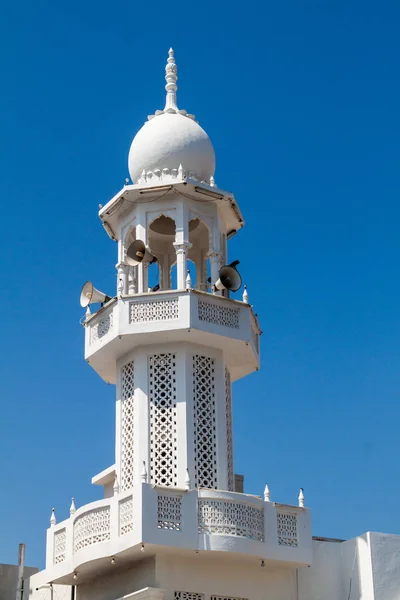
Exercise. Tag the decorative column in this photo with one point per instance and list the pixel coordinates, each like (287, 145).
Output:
(142, 277)
(131, 281)
(122, 278)
(164, 272)
(215, 265)
(181, 263)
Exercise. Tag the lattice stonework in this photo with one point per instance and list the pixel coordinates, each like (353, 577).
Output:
(223, 517)
(163, 435)
(169, 513)
(91, 528)
(101, 328)
(287, 529)
(229, 431)
(156, 310)
(188, 596)
(205, 450)
(125, 515)
(59, 546)
(218, 314)
(226, 598)
(127, 424)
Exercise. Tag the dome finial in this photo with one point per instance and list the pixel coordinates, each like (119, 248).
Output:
(171, 79)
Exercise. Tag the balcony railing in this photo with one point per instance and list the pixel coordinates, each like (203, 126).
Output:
(173, 309)
(203, 519)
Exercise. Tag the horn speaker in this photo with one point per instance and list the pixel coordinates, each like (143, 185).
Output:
(137, 253)
(89, 295)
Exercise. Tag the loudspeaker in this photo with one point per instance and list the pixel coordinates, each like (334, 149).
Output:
(89, 295)
(137, 252)
(229, 279)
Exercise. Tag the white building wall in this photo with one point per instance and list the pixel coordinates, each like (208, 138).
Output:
(119, 582)
(224, 578)
(357, 568)
(323, 580)
(37, 588)
(385, 559)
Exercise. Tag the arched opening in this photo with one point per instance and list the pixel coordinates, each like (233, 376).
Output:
(153, 276)
(199, 237)
(161, 243)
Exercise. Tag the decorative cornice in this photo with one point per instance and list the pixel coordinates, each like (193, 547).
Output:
(170, 176)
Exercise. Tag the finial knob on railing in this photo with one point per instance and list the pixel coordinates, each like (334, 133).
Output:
(301, 498)
(53, 520)
(188, 282)
(116, 485)
(267, 495)
(143, 475)
(72, 508)
(245, 296)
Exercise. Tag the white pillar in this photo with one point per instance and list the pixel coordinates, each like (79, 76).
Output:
(181, 263)
(122, 278)
(164, 272)
(142, 277)
(132, 280)
(215, 264)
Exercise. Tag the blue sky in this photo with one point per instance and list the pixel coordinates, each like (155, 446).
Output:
(301, 101)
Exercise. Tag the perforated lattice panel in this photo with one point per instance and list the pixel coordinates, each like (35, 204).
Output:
(229, 431)
(210, 312)
(91, 528)
(226, 598)
(287, 529)
(162, 394)
(125, 515)
(169, 512)
(223, 517)
(188, 596)
(59, 546)
(156, 310)
(101, 328)
(127, 425)
(205, 445)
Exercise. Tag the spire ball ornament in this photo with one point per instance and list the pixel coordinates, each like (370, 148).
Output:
(171, 141)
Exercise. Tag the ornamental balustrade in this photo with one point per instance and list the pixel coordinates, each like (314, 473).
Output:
(200, 518)
(172, 310)
(101, 326)
(227, 517)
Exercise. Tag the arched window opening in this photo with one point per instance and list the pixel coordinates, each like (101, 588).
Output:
(199, 237)
(173, 275)
(153, 277)
(191, 265)
(161, 242)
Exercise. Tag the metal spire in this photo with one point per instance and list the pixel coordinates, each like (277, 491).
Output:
(171, 79)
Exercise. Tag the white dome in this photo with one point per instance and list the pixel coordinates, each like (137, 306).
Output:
(169, 140)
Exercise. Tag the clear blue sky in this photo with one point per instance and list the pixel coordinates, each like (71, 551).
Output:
(301, 100)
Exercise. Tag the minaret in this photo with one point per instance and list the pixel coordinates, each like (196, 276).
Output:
(173, 353)
(172, 343)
